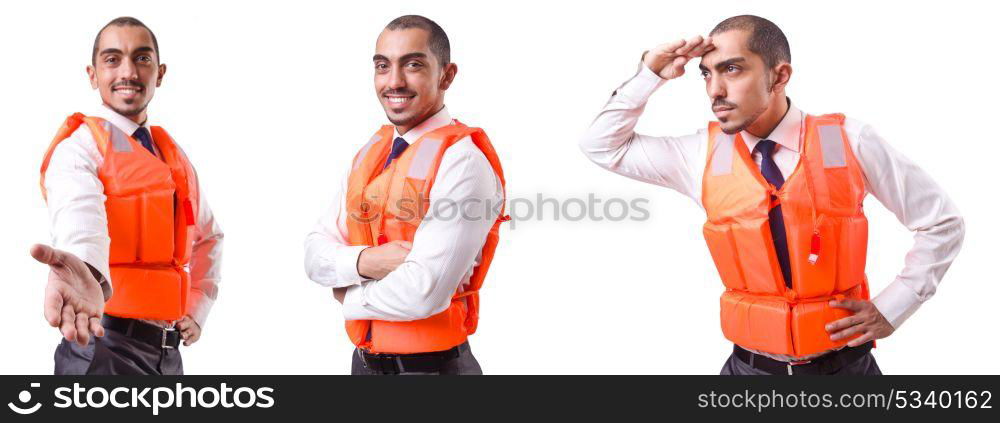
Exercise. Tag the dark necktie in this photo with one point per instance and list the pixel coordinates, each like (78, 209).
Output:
(142, 134)
(398, 146)
(776, 220)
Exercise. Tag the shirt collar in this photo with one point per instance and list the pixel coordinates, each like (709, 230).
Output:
(123, 123)
(786, 134)
(439, 119)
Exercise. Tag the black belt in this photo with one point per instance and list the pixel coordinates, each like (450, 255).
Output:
(823, 365)
(395, 364)
(164, 338)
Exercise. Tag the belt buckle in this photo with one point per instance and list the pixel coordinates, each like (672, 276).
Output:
(361, 356)
(371, 366)
(396, 364)
(163, 338)
(789, 365)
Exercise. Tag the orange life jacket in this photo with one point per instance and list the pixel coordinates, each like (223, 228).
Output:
(388, 205)
(827, 233)
(151, 207)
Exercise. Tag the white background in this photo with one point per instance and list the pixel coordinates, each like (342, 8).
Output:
(271, 101)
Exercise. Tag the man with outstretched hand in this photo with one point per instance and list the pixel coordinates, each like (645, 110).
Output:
(135, 255)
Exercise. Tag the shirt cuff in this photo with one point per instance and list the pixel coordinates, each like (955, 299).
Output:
(346, 263)
(198, 307)
(897, 302)
(641, 86)
(102, 281)
(91, 255)
(354, 302)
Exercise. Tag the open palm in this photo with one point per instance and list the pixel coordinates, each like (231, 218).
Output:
(74, 301)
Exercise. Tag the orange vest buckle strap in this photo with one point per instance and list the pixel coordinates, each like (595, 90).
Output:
(151, 207)
(388, 205)
(827, 239)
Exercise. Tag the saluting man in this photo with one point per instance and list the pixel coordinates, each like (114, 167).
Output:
(135, 255)
(415, 222)
(783, 193)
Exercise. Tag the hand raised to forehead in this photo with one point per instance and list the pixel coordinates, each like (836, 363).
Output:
(668, 60)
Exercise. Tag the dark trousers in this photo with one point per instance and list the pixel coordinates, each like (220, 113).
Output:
(864, 366)
(464, 364)
(116, 354)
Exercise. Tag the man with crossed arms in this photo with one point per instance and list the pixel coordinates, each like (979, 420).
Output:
(409, 285)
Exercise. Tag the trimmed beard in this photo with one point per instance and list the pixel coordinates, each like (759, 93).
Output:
(129, 113)
(746, 123)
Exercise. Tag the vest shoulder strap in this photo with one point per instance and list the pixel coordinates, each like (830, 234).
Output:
(180, 170)
(451, 134)
(69, 126)
(482, 141)
(371, 151)
(829, 118)
(172, 154)
(721, 151)
(832, 166)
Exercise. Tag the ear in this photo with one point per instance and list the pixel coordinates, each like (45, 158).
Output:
(450, 70)
(782, 74)
(160, 71)
(92, 76)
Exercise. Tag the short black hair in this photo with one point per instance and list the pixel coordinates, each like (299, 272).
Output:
(766, 39)
(124, 21)
(437, 39)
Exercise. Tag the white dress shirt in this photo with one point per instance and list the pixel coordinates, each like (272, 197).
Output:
(445, 250)
(899, 184)
(79, 221)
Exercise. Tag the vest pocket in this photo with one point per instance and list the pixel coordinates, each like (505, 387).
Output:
(123, 228)
(809, 320)
(396, 230)
(755, 322)
(409, 205)
(156, 226)
(809, 326)
(755, 252)
(723, 248)
(436, 333)
(853, 252)
(143, 293)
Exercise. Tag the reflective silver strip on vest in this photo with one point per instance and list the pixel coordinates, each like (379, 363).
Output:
(423, 158)
(364, 150)
(722, 157)
(119, 141)
(832, 140)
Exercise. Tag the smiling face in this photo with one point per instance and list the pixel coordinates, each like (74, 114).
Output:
(126, 70)
(409, 80)
(743, 90)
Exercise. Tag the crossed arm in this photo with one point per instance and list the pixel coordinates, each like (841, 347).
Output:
(399, 281)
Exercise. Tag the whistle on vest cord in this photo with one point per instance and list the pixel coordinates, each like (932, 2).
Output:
(814, 248)
(382, 239)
